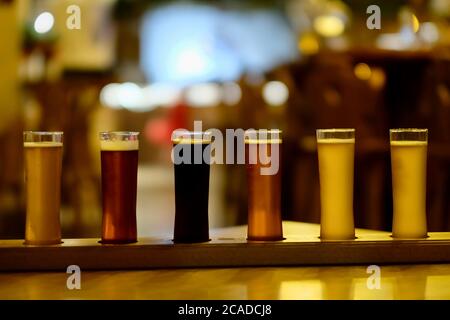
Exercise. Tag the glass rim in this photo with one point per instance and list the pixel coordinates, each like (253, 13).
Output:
(188, 132)
(330, 130)
(408, 134)
(120, 133)
(181, 134)
(43, 133)
(255, 134)
(418, 130)
(264, 130)
(341, 134)
(108, 135)
(270, 136)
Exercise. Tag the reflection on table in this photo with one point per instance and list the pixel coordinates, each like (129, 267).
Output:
(398, 282)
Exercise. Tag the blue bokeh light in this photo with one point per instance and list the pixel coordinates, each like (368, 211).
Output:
(189, 43)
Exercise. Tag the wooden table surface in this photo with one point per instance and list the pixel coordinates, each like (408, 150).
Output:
(319, 282)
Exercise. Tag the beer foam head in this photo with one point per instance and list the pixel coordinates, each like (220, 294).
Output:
(42, 144)
(335, 140)
(119, 145)
(263, 136)
(181, 136)
(119, 141)
(42, 139)
(408, 136)
(190, 141)
(263, 141)
(335, 135)
(409, 143)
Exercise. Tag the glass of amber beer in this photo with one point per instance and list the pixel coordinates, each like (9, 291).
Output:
(43, 165)
(263, 186)
(409, 166)
(119, 166)
(336, 153)
(191, 158)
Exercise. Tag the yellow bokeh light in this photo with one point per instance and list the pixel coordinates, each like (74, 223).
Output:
(308, 44)
(362, 71)
(329, 26)
(378, 78)
(415, 23)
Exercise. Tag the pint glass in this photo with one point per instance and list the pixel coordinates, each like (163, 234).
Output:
(336, 153)
(409, 166)
(43, 165)
(262, 149)
(191, 158)
(119, 166)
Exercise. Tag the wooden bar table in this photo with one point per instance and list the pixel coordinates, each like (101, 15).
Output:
(316, 270)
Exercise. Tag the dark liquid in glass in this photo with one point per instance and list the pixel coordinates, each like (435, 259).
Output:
(191, 198)
(119, 185)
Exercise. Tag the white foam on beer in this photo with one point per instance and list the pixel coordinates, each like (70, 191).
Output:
(263, 141)
(336, 140)
(188, 140)
(119, 145)
(42, 144)
(409, 143)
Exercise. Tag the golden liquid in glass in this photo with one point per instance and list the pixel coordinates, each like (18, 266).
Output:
(43, 162)
(336, 171)
(409, 164)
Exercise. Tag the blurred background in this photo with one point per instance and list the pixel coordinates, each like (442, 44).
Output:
(154, 66)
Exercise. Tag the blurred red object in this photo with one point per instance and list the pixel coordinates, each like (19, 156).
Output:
(159, 130)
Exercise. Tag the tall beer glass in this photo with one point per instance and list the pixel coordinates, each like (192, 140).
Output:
(336, 153)
(43, 165)
(409, 166)
(191, 158)
(264, 188)
(119, 165)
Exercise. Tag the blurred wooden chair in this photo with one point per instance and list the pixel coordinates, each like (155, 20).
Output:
(12, 205)
(437, 101)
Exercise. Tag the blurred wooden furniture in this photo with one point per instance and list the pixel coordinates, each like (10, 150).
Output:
(12, 206)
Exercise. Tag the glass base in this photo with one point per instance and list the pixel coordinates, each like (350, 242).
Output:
(42, 243)
(190, 240)
(409, 238)
(119, 241)
(265, 238)
(337, 239)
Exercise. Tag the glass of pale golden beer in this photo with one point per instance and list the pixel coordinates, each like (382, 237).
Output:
(119, 166)
(336, 153)
(263, 188)
(43, 165)
(191, 158)
(409, 171)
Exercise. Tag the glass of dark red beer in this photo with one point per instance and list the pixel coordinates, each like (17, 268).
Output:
(119, 165)
(191, 158)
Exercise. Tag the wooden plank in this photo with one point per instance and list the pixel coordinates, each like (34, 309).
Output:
(228, 248)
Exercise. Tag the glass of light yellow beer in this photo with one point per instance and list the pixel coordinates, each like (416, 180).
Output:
(43, 165)
(336, 153)
(409, 166)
